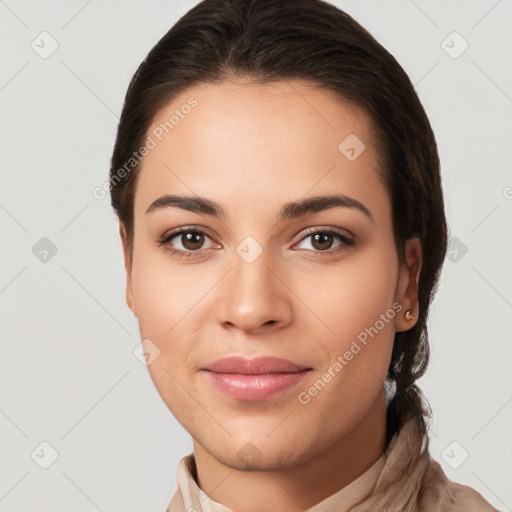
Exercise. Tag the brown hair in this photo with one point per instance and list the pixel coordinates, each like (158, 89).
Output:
(272, 40)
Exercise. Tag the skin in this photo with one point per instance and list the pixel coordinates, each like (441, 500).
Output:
(252, 148)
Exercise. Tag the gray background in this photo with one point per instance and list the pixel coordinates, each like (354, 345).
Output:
(68, 373)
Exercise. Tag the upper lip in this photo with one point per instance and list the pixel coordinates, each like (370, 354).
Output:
(256, 366)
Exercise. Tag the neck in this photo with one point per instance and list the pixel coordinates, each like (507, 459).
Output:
(302, 486)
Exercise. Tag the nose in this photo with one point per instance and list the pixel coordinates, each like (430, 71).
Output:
(253, 297)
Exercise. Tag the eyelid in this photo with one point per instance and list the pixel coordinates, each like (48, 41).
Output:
(322, 229)
(186, 229)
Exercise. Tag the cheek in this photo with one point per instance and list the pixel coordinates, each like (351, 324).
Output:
(351, 297)
(167, 298)
(163, 293)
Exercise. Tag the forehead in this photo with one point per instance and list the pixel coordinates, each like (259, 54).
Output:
(241, 142)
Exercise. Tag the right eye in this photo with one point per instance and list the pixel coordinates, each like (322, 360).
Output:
(191, 241)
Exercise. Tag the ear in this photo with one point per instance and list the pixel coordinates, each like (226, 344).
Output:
(407, 288)
(128, 269)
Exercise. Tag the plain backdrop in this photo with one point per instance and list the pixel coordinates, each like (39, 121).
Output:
(69, 377)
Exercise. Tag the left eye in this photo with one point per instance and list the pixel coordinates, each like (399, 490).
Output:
(323, 240)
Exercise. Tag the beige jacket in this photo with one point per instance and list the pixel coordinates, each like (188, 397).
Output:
(403, 479)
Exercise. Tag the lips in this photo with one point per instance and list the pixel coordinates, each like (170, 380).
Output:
(254, 379)
(257, 366)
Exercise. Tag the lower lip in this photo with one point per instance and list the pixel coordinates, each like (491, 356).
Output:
(254, 387)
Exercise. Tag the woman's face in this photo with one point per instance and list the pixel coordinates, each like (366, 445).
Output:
(318, 286)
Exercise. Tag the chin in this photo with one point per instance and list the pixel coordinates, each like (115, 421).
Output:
(250, 458)
(258, 452)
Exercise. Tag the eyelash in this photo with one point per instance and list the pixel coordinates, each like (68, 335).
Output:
(165, 239)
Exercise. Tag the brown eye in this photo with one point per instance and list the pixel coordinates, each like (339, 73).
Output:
(185, 242)
(325, 241)
(322, 241)
(192, 240)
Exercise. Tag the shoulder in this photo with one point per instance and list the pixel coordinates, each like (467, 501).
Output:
(466, 499)
(441, 494)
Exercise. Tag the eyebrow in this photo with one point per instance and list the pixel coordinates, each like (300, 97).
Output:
(290, 210)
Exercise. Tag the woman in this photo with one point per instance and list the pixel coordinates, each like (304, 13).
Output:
(278, 189)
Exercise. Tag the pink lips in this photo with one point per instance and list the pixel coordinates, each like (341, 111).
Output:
(254, 379)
